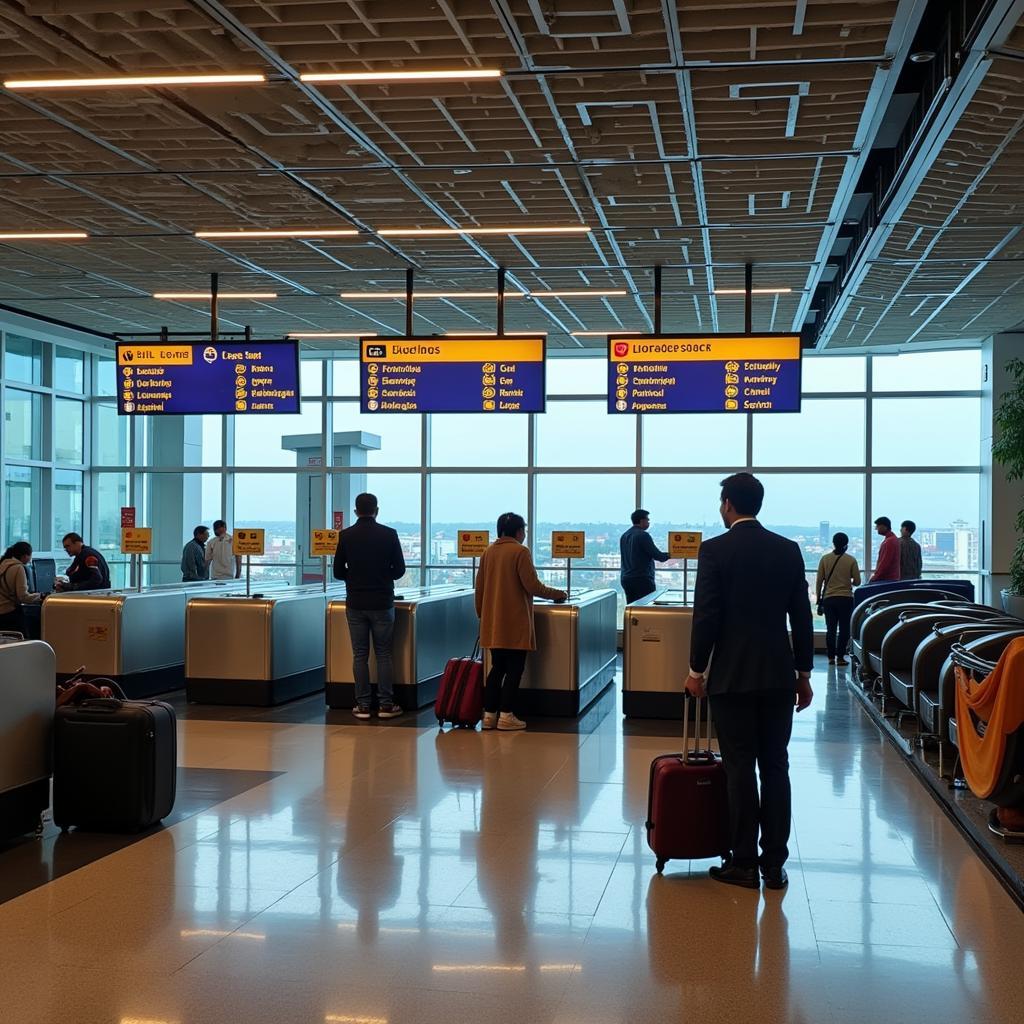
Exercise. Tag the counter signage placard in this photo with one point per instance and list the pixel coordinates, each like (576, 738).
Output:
(136, 540)
(207, 377)
(684, 545)
(568, 544)
(339, 520)
(473, 543)
(247, 542)
(424, 374)
(323, 543)
(704, 373)
(127, 515)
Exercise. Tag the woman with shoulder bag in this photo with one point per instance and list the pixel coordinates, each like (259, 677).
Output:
(14, 592)
(838, 574)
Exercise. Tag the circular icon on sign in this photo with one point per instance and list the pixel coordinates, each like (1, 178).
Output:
(372, 381)
(488, 392)
(210, 354)
(239, 382)
(239, 367)
(373, 368)
(372, 393)
(621, 380)
(621, 393)
(622, 368)
(129, 395)
(732, 391)
(732, 366)
(372, 405)
(621, 406)
(129, 407)
(127, 371)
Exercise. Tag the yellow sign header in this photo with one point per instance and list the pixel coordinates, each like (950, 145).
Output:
(704, 348)
(568, 544)
(684, 545)
(323, 543)
(473, 543)
(247, 542)
(136, 540)
(154, 355)
(463, 350)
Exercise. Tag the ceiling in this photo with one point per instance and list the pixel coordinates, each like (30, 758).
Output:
(697, 135)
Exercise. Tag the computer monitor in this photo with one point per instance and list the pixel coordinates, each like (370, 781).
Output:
(44, 573)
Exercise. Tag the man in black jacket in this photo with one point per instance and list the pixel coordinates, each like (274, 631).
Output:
(88, 570)
(369, 559)
(748, 582)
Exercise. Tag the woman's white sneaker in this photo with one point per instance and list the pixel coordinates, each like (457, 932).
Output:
(490, 719)
(507, 722)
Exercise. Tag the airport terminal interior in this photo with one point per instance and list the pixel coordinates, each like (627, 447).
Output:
(562, 258)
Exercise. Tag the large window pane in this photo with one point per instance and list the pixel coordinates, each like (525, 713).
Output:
(106, 376)
(22, 499)
(213, 432)
(471, 501)
(346, 377)
(577, 376)
(952, 370)
(834, 373)
(311, 381)
(826, 432)
(268, 501)
(682, 501)
(399, 433)
(68, 430)
(23, 424)
(926, 432)
(945, 507)
(67, 502)
(475, 440)
(69, 370)
(110, 493)
(697, 439)
(23, 359)
(398, 495)
(260, 440)
(109, 436)
(583, 434)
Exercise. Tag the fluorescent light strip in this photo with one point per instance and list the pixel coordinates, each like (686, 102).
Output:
(570, 229)
(44, 236)
(284, 233)
(344, 1018)
(580, 293)
(601, 334)
(753, 291)
(494, 334)
(332, 334)
(208, 297)
(430, 295)
(131, 80)
(452, 75)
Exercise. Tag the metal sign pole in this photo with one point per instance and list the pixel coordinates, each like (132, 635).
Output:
(323, 563)
(248, 574)
(501, 302)
(568, 576)
(748, 304)
(138, 572)
(686, 578)
(213, 307)
(657, 299)
(474, 571)
(410, 276)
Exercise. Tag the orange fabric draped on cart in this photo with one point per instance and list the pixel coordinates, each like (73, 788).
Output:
(998, 701)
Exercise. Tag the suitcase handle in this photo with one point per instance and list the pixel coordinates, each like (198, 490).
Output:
(696, 754)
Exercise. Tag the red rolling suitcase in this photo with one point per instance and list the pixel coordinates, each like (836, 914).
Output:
(460, 697)
(687, 806)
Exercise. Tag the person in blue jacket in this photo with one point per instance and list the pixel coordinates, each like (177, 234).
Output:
(638, 555)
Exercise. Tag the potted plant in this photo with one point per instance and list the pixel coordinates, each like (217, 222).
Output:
(1008, 451)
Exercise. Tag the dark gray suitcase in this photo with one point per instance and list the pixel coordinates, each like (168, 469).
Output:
(115, 764)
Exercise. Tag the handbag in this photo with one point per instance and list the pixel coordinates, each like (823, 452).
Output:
(821, 596)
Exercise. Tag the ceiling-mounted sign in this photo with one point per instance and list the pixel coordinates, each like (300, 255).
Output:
(704, 373)
(683, 545)
(568, 543)
(473, 543)
(207, 377)
(485, 375)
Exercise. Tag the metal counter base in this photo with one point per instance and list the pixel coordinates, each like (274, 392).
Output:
(640, 704)
(656, 655)
(262, 693)
(409, 696)
(567, 703)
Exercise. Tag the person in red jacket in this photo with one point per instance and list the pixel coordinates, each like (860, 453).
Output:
(888, 565)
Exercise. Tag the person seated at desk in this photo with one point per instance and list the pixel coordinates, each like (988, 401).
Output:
(14, 592)
(88, 570)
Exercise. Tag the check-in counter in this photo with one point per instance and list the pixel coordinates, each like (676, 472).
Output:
(432, 624)
(656, 655)
(135, 637)
(258, 650)
(574, 662)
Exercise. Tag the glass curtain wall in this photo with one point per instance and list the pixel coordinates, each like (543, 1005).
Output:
(878, 435)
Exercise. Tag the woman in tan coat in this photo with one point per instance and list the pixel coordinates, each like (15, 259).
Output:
(506, 585)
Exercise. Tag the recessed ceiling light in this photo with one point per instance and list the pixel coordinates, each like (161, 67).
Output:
(430, 295)
(355, 77)
(572, 293)
(122, 81)
(207, 296)
(44, 236)
(332, 334)
(922, 56)
(282, 233)
(753, 291)
(554, 229)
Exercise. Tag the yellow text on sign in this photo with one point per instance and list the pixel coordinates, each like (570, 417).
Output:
(136, 540)
(323, 543)
(247, 542)
(473, 543)
(154, 355)
(684, 545)
(568, 544)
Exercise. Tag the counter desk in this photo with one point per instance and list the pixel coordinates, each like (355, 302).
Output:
(656, 655)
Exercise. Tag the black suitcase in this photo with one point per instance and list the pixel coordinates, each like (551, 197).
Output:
(115, 764)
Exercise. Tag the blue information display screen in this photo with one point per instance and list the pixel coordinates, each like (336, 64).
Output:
(704, 373)
(207, 377)
(444, 375)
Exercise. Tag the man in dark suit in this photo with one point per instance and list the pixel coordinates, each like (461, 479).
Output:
(749, 581)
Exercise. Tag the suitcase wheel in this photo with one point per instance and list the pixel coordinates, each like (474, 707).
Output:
(660, 865)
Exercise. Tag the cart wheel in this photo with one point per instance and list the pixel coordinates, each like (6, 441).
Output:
(660, 865)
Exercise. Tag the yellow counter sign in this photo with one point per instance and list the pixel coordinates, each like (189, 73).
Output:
(684, 545)
(154, 355)
(323, 543)
(568, 544)
(136, 540)
(473, 543)
(247, 542)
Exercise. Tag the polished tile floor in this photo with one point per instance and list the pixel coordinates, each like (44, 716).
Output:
(393, 875)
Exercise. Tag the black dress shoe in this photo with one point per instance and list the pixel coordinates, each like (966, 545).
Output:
(744, 877)
(775, 879)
